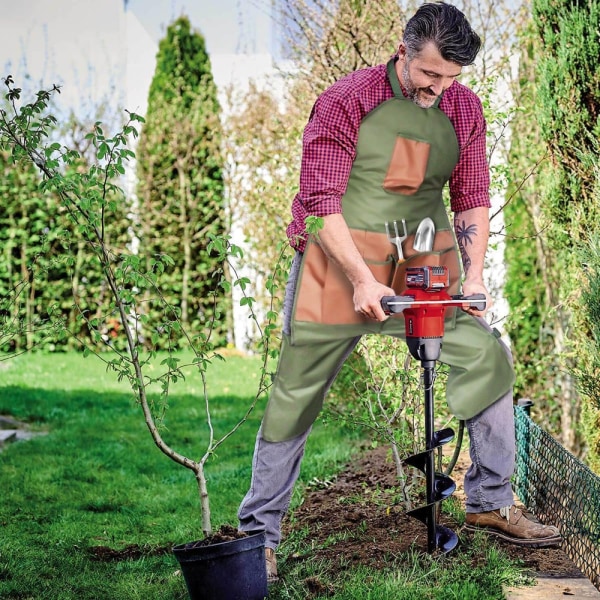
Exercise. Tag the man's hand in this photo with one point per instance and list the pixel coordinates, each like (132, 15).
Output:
(477, 287)
(367, 299)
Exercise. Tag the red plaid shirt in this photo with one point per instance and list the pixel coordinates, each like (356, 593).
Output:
(331, 134)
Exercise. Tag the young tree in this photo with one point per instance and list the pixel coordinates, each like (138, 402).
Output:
(92, 201)
(180, 190)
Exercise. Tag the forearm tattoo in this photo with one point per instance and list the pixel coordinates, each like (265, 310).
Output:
(464, 236)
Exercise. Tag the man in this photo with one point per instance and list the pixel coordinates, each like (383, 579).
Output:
(379, 146)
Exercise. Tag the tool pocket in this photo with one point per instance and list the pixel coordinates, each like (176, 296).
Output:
(407, 167)
(376, 251)
(325, 294)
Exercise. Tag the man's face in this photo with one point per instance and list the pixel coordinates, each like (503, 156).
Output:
(426, 75)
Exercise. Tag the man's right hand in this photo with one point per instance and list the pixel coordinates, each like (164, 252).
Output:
(367, 299)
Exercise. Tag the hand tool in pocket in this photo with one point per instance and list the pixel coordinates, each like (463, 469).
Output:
(424, 236)
(397, 239)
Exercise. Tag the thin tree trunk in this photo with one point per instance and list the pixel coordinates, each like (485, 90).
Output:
(204, 500)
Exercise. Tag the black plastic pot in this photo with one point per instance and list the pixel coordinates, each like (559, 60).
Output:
(233, 570)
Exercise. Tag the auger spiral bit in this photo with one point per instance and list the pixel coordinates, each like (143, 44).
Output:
(424, 305)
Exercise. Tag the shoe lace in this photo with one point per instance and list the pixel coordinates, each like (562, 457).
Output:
(505, 512)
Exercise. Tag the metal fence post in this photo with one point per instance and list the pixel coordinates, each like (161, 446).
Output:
(525, 404)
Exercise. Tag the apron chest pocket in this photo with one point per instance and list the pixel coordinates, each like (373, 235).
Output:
(407, 167)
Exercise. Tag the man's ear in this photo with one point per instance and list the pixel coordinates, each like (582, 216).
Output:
(401, 50)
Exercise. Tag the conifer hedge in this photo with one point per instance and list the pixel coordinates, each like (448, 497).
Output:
(180, 190)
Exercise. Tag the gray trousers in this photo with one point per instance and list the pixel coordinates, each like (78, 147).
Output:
(276, 465)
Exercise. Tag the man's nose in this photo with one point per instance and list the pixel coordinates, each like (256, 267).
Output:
(437, 87)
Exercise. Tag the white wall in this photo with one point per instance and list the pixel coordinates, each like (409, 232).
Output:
(74, 43)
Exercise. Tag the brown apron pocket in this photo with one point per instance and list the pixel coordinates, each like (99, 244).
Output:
(407, 167)
(325, 294)
(377, 252)
(310, 286)
(337, 306)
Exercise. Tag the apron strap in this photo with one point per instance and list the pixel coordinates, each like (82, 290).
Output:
(393, 77)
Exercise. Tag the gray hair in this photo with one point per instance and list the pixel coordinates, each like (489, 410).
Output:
(445, 26)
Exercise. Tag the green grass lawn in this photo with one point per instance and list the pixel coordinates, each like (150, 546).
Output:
(97, 479)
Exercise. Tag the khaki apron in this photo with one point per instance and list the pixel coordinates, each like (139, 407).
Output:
(404, 156)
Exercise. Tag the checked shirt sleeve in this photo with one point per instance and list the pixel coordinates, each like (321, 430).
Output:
(329, 149)
(470, 181)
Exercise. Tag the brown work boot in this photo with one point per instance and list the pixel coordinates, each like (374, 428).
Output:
(271, 565)
(510, 524)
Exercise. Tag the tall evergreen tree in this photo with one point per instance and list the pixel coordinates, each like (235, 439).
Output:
(180, 190)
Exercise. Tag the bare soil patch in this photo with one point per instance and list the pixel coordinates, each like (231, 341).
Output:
(351, 523)
(225, 533)
(130, 552)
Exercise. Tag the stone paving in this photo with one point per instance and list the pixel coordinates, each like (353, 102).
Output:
(12, 430)
(549, 588)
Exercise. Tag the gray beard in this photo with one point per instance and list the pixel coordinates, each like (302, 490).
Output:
(411, 91)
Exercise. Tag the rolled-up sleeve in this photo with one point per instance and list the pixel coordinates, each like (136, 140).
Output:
(329, 149)
(470, 181)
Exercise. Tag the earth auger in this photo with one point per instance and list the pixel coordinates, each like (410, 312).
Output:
(424, 305)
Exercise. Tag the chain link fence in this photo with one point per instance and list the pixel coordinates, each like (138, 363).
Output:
(559, 489)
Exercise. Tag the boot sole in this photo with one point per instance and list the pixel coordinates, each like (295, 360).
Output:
(555, 540)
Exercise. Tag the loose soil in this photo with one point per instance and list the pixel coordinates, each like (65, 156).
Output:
(226, 533)
(351, 523)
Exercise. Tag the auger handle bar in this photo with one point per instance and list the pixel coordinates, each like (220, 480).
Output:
(397, 304)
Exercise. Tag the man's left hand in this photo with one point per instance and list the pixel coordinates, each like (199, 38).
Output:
(477, 287)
